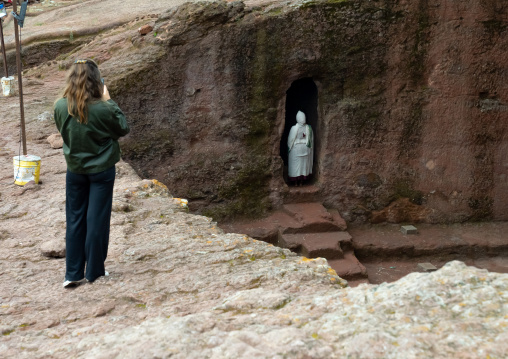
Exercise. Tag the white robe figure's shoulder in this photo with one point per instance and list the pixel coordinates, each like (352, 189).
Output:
(292, 137)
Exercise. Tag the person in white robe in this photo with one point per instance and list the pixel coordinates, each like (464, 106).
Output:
(300, 151)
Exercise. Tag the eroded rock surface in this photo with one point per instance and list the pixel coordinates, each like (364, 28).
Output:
(422, 315)
(55, 140)
(411, 97)
(180, 287)
(411, 105)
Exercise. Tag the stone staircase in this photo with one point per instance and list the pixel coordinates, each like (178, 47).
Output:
(310, 230)
(321, 233)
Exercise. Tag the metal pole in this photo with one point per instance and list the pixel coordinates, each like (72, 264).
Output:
(3, 48)
(20, 82)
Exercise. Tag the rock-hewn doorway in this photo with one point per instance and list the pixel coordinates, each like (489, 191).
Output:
(301, 96)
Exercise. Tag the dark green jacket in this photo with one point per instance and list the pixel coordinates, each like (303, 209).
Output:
(92, 147)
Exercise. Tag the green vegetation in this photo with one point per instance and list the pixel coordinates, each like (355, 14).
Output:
(157, 144)
(403, 188)
(495, 26)
(247, 193)
(418, 54)
(282, 304)
(482, 207)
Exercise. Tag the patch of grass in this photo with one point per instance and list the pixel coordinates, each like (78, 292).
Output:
(402, 188)
(494, 26)
(482, 208)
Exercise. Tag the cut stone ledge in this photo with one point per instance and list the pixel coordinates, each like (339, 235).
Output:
(426, 267)
(409, 229)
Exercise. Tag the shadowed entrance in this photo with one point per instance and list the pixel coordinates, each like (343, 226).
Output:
(301, 96)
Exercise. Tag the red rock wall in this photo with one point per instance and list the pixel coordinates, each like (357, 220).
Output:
(413, 103)
(456, 157)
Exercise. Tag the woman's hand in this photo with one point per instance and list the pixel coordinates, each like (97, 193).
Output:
(105, 95)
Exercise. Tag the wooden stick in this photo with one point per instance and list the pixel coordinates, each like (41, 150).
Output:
(20, 82)
(3, 49)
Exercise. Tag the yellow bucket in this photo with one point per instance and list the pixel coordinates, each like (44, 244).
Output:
(26, 168)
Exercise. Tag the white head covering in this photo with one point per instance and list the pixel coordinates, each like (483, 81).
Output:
(300, 118)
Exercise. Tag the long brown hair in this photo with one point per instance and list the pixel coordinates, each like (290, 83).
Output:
(83, 86)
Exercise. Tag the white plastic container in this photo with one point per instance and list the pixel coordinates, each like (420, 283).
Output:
(8, 86)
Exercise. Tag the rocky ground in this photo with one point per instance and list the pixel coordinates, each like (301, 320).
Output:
(179, 287)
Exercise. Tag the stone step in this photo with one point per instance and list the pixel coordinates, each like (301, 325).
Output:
(312, 245)
(311, 218)
(337, 218)
(293, 242)
(349, 267)
(265, 229)
(302, 194)
(446, 242)
(293, 218)
(321, 245)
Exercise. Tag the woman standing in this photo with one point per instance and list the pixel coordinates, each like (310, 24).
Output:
(300, 151)
(90, 124)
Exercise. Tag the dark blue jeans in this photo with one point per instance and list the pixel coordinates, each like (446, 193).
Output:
(89, 198)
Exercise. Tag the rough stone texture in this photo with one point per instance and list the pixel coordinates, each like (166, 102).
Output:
(145, 29)
(58, 26)
(412, 102)
(54, 248)
(308, 193)
(426, 267)
(30, 186)
(466, 242)
(292, 218)
(321, 245)
(311, 217)
(401, 210)
(55, 140)
(406, 90)
(409, 230)
(349, 267)
(180, 287)
(337, 218)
